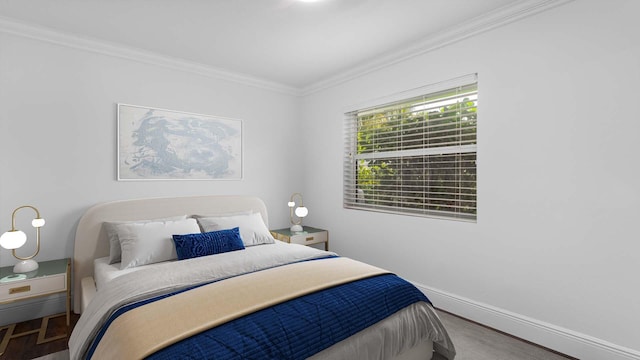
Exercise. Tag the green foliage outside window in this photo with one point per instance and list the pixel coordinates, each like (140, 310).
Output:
(405, 158)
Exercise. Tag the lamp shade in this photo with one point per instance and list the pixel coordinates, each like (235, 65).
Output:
(301, 211)
(37, 222)
(13, 239)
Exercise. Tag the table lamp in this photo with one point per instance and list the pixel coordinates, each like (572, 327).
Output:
(300, 212)
(14, 239)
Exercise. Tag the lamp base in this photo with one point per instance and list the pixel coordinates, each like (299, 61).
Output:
(25, 266)
(296, 228)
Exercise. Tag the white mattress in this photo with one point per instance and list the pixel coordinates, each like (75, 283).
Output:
(103, 272)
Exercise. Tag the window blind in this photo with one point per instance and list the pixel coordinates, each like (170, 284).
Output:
(415, 156)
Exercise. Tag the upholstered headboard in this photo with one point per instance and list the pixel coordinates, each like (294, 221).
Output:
(91, 241)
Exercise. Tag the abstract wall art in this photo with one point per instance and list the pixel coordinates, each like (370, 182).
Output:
(159, 144)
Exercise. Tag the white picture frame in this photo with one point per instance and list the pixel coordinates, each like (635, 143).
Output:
(160, 144)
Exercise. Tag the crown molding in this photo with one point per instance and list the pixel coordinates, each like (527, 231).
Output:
(475, 26)
(488, 21)
(15, 27)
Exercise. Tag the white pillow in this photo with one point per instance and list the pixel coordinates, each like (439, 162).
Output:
(253, 231)
(224, 214)
(151, 242)
(112, 234)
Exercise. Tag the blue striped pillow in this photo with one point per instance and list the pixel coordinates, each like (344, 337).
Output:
(202, 244)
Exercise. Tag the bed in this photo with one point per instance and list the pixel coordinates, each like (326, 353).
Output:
(242, 295)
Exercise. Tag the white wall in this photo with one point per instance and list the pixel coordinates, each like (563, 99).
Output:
(555, 244)
(58, 136)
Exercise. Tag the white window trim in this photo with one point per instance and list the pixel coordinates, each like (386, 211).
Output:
(351, 201)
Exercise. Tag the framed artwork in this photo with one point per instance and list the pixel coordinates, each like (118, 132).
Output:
(159, 144)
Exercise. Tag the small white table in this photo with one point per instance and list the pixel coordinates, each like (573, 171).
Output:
(308, 236)
(51, 277)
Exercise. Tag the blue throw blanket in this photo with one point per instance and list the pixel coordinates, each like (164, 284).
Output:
(301, 327)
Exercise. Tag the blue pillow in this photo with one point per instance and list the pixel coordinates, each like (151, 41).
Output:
(202, 244)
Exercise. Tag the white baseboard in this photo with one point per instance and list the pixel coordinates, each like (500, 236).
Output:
(554, 337)
(32, 309)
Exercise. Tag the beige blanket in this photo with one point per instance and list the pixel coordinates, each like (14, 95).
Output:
(220, 302)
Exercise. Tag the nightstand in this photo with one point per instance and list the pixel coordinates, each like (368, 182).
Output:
(51, 277)
(308, 236)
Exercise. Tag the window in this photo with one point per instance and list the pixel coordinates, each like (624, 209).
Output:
(416, 156)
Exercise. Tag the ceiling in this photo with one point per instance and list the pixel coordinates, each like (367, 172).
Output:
(289, 42)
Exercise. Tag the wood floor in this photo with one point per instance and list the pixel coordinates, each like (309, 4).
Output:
(26, 347)
(474, 341)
